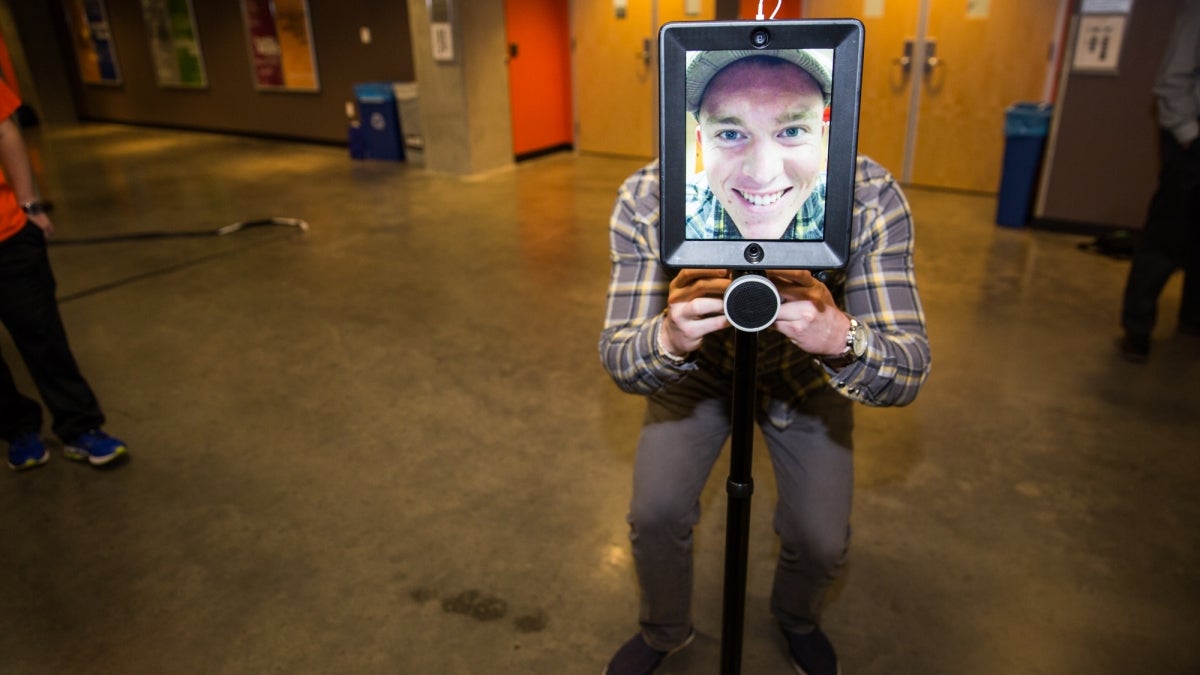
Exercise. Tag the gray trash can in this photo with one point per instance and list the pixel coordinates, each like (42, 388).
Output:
(408, 108)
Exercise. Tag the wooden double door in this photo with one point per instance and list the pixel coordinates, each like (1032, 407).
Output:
(938, 76)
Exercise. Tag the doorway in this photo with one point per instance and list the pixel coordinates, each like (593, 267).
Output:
(539, 75)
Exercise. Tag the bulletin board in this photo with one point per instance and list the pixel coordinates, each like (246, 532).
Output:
(91, 38)
(174, 45)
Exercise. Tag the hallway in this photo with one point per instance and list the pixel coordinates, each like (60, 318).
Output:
(386, 444)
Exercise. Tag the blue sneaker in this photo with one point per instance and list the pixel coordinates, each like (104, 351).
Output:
(95, 446)
(27, 451)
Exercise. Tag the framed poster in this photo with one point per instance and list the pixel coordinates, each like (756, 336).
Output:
(279, 36)
(174, 47)
(92, 40)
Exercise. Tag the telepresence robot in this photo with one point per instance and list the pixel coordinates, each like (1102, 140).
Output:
(752, 301)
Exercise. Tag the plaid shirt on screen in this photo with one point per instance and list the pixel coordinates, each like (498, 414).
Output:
(707, 219)
(879, 290)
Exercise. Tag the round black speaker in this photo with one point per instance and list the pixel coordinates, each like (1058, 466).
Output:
(751, 303)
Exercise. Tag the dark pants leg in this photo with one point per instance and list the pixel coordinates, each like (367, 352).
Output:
(685, 429)
(814, 474)
(19, 414)
(1189, 306)
(29, 310)
(1168, 241)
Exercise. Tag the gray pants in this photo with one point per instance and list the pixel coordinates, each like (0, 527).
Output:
(686, 426)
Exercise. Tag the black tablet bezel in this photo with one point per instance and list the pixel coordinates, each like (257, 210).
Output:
(845, 38)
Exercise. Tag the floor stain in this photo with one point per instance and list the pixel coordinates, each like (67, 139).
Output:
(423, 595)
(531, 623)
(475, 604)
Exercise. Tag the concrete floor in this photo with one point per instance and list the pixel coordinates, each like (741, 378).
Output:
(386, 445)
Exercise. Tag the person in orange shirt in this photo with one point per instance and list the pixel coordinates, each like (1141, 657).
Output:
(29, 311)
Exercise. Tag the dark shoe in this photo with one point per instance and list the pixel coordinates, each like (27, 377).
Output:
(638, 658)
(812, 653)
(26, 451)
(1134, 348)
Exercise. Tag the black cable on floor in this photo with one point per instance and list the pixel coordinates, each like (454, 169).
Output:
(165, 234)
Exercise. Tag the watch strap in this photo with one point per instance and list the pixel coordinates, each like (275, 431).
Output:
(850, 354)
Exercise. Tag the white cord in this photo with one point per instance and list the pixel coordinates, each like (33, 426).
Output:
(759, 16)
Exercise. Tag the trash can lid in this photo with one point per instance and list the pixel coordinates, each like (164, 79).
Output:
(1027, 108)
(1027, 119)
(373, 92)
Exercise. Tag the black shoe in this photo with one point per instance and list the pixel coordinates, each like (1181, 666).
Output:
(812, 653)
(638, 658)
(1134, 348)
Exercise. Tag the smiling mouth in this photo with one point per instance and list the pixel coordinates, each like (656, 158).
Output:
(763, 199)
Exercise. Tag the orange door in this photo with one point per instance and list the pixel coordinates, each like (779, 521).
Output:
(539, 74)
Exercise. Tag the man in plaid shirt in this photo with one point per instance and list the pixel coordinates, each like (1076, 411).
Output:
(861, 338)
(666, 337)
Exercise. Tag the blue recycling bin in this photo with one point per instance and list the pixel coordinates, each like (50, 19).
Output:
(1026, 126)
(380, 123)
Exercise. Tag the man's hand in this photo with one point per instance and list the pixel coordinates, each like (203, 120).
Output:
(42, 220)
(695, 308)
(808, 316)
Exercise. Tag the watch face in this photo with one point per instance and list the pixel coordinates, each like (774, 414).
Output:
(860, 340)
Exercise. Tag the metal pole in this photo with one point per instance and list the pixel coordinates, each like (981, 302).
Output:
(739, 488)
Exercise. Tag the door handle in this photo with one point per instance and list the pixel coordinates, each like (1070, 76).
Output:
(905, 61)
(929, 62)
(931, 59)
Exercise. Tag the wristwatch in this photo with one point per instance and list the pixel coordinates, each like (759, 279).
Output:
(33, 208)
(856, 345)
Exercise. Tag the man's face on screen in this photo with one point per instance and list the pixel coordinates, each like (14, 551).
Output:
(761, 136)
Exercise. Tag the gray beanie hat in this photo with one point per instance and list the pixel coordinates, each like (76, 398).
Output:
(705, 66)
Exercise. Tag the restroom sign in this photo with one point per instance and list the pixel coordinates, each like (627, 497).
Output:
(1098, 44)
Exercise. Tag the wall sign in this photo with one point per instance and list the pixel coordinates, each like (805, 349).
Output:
(1098, 44)
(1106, 6)
(441, 29)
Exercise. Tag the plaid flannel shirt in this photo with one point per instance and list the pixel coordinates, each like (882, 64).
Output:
(879, 290)
(707, 219)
